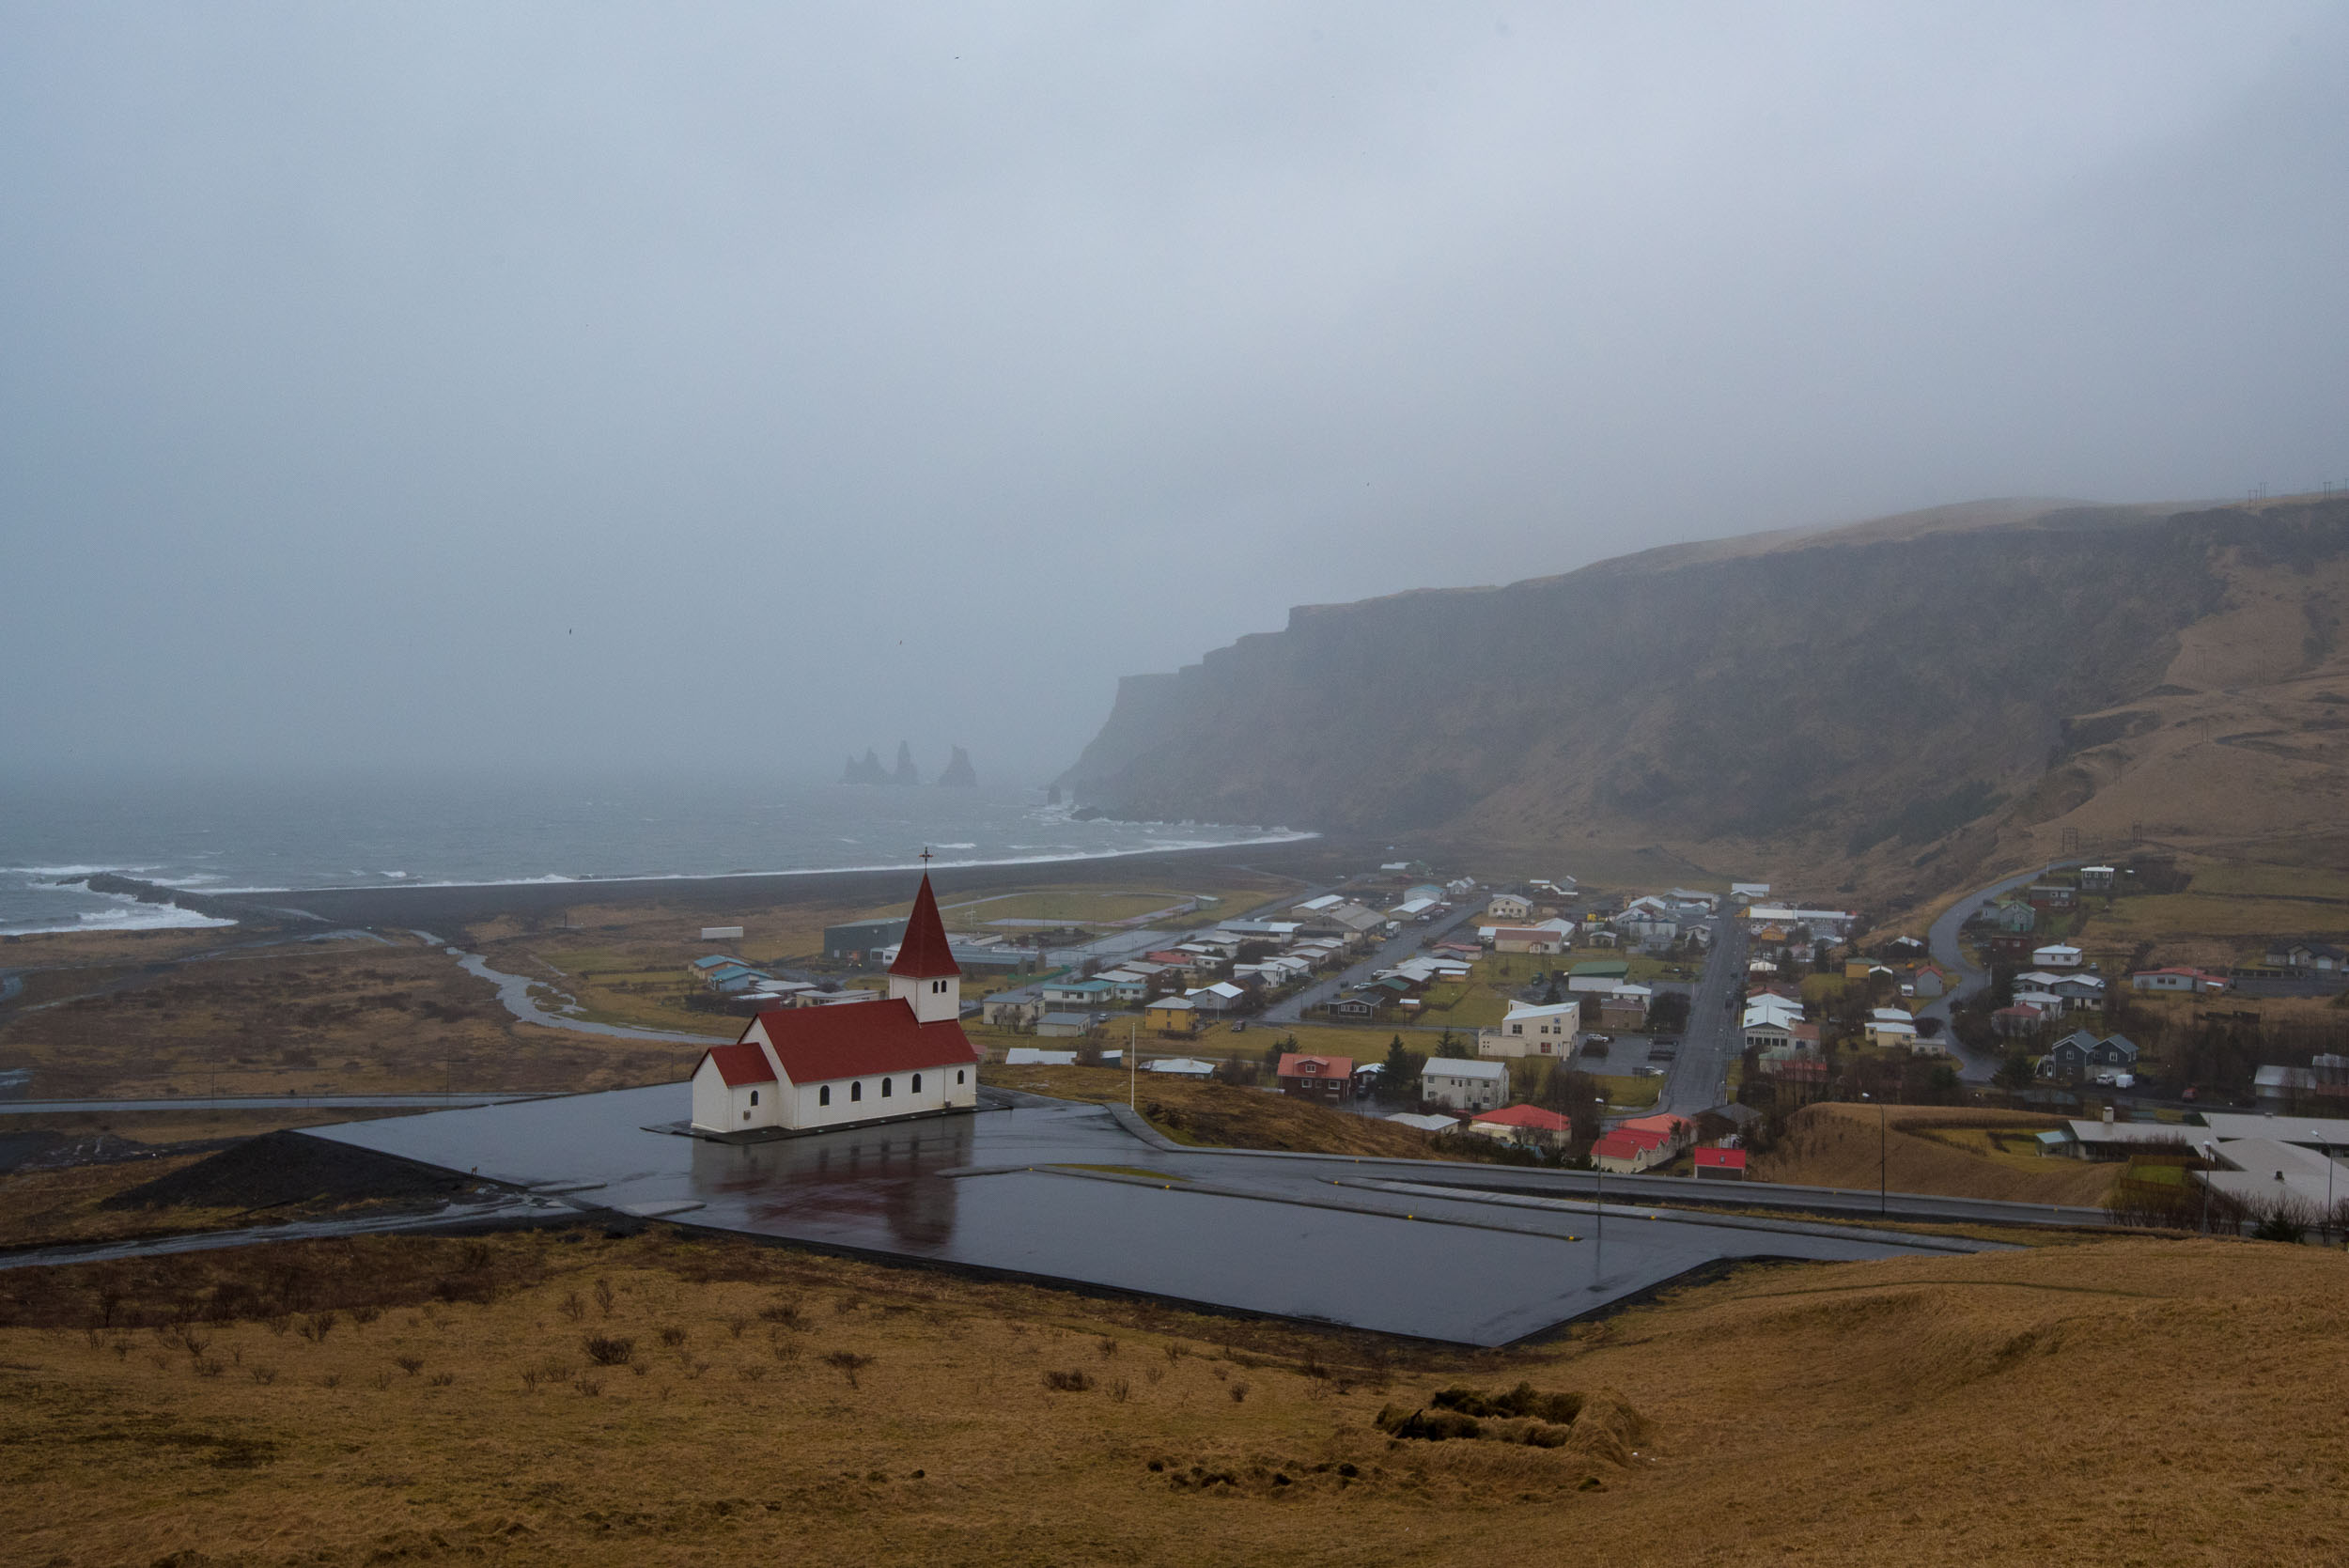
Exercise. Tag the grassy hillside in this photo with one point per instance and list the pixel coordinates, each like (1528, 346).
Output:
(2124, 1401)
(1887, 707)
(1215, 1113)
(1960, 1153)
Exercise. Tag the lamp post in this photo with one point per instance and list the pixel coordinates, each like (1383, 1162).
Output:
(1884, 1201)
(2326, 1230)
(1598, 1258)
(2210, 1156)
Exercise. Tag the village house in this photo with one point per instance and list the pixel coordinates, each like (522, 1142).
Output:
(1721, 1163)
(1528, 939)
(806, 1070)
(1642, 1143)
(1531, 1031)
(1529, 1126)
(1624, 1008)
(2096, 879)
(2081, 1056)
(2018, 1019)
(1172, 1016)
(1018, 1008)
(2310, 957)
(1509, 907)
(1470, 1086)
(2058, 956)
(1068, 1026)
(1598, 975)
(2178, 978)
(1327, 1078)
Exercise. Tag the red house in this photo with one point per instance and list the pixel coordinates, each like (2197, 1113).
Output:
(1317, 1078)
(1721, 1164)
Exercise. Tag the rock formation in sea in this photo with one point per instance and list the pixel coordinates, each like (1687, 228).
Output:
(906, 773)
(959, 773)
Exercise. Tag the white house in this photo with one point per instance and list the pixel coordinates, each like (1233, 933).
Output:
(2056, 955)
(1531, 1031)
(807, 1069)
(1509, 907)
(1465, 1085)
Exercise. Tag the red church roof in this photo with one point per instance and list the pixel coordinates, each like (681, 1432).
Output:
(740, 1063)
(859, 1039)
(924, 954)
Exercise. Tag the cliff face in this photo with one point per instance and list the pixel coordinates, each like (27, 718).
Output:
(1861, 694)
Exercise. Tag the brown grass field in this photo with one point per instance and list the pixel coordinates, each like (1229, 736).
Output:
(393, 1400)
(1219, 1114)
(1928, 1149)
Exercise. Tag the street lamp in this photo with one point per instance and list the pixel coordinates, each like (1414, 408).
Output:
(2210, 1156)
(1598, 1257)
(1884, 1204)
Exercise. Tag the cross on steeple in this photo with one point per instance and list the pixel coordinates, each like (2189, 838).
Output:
(925, 857)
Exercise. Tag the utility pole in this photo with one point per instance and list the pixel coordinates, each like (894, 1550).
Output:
(1133, 1062)
(1598, 1258)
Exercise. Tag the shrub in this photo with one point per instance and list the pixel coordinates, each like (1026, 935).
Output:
(207, 1367)
(672, 1336)
(264, 1376)
(604, 1298)
(1109, 1346)
(608, 1350)
(786, 1314)
(591, 1388)
(318, 1326)
(442, 1379)
(1120, 1389)
(571, 1306)
(1076, 1382)
(364, 1316)
(409, 1364)
(849, 1363)
(1240, 1393)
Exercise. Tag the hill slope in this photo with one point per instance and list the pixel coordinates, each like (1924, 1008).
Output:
(1888, 705)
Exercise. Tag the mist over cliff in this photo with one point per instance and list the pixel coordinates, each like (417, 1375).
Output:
(1810, 698)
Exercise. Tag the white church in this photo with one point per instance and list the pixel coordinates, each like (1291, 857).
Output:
(804, 1068)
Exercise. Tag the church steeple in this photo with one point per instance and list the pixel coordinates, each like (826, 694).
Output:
(926, 975)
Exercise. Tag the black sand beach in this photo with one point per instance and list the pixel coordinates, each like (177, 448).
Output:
(430, 908)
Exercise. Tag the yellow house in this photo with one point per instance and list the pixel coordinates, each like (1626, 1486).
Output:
(1172, 1016)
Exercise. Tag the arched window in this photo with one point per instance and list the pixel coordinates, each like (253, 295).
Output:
(958, 1074)
(753, 1097)
(884, 1089)
(856, 1091)
(917, 1083)
(823, 1095)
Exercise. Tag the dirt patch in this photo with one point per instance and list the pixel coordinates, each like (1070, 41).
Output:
(280, 1169)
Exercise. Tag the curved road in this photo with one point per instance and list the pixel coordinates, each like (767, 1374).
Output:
(1942, 941)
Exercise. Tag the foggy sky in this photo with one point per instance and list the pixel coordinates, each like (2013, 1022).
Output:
(742, 386)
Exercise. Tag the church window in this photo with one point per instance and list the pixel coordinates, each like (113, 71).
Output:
(917, 1083)
(884, 1089)
(856, 1091)
(823, 1095)
(753, 1097)
(958, 1074)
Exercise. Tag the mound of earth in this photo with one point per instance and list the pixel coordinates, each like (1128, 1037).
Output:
(280, 1169)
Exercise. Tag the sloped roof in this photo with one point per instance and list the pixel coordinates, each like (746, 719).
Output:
(924, 954)
(860, 1038)
(1296, 1064)
(740, 1063)
(1526, 1116)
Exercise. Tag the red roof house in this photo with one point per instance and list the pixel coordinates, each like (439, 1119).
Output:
(1523, 1123)
(1316, 1078)
(1721, 1164)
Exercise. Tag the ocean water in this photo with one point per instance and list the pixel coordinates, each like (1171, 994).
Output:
(233, 836)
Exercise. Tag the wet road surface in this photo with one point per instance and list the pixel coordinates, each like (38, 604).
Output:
(1260, 1233)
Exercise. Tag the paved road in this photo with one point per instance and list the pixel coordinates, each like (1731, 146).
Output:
(1393, 951)
(1948, 951)
(1715, 1036)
